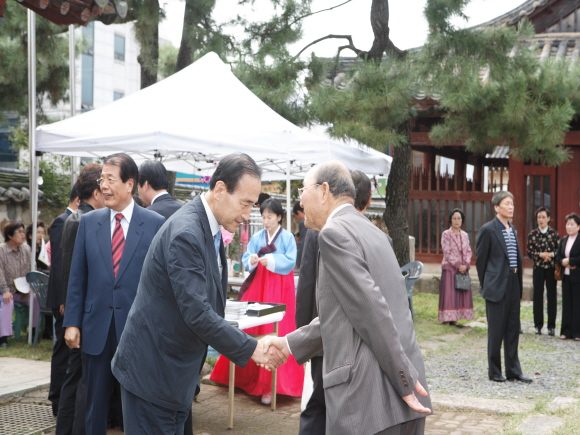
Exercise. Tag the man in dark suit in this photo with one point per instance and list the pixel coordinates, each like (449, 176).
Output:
(108, 256)
(298, 213)
(499, 268)
(185, 274)
(54, 301)
(71, 411)
(152, 189)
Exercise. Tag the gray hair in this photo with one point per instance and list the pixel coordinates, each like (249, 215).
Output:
(338, 177)
(498, 197)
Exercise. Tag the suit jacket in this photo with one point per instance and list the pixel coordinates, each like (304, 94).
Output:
(94, 294)
(306, 309)
(574, 258)
(54, 295)
(302, 231)
(371, 356)
(67, 244)
(492, 261)
(178, 311)
(165, 205)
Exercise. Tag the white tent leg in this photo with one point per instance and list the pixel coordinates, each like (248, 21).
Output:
(288, 205)
(32, 145)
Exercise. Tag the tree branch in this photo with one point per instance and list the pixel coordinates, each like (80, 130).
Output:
(347, 37)
(317, 12)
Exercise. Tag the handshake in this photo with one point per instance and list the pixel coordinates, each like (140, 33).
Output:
(271, 352)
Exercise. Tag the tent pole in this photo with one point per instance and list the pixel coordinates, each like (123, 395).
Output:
(32, 146)
(75, 161)
(288, 206)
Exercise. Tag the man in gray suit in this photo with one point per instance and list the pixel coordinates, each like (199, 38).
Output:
(372, 362)
(180, 306)
(499, 268)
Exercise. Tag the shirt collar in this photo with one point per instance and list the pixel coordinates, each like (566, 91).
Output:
(544, 231)
(127, 213)
(71, 210)
(268, 238)
(213, 223)
(157, 196)
(336, 210)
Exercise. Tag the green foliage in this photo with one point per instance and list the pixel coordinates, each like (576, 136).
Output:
(278, 86)
(167, 60)
(56, 185)
(52, 62)
(493, 89)
(377, 99)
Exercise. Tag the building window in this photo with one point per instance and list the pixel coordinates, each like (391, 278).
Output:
(120, 47)
(88, 67)
(117, 95)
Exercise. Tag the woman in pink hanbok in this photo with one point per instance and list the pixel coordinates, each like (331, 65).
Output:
(454, 304)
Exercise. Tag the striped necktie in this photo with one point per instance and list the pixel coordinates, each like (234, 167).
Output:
(118, 243)
(216, 241)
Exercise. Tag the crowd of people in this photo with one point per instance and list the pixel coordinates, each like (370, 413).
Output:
(137, 288)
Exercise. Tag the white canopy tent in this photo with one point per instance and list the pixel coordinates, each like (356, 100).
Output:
(193, 118)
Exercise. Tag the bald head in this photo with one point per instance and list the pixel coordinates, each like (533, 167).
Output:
(338, 177)
(326, 187)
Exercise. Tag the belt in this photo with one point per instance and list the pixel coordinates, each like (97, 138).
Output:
(514, 270)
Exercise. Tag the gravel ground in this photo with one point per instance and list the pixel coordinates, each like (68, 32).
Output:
(457, 364)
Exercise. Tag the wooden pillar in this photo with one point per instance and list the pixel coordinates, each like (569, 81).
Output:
(478, 175)
(429, 159)
(459, 174)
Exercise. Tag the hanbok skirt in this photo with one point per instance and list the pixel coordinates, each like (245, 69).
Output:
(453, 304)
(271, 287)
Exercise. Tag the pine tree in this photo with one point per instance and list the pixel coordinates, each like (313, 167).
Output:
(51, 68)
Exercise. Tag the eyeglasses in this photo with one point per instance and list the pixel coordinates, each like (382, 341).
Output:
(109, 180)
(302, 189)
(20, 231)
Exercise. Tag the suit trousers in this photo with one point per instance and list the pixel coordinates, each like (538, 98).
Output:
(503, 323)
(413, 427)
(313, 418)
(100, 384)
(540, 277)
(144, 418)
(570, 308)
(71, 410)
(58, 363)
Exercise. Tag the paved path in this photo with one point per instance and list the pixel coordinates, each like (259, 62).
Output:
(253, 418)
(19, 375)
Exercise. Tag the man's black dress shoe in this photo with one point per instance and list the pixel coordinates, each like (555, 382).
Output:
(520, 378)
(497, 378)
(551, 331)
(538, 331)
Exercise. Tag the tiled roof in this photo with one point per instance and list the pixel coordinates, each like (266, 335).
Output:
(512, 17)
(14, 187)
(65, 12)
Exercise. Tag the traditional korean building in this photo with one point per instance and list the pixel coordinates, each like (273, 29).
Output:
(434, 192)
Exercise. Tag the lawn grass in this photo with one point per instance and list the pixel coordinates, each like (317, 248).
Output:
(21, 349)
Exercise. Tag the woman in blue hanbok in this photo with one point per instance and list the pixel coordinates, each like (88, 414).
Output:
(270, 257)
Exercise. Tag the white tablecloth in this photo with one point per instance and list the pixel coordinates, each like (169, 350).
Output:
(249, 322)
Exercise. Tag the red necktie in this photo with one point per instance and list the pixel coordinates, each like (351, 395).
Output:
(118, 243)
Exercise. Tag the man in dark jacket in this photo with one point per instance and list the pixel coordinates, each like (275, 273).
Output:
(72, 401)
(60, 350)
(153, 186)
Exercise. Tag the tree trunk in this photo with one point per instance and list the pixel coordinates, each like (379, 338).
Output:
(397, 198)
(380, 25)
(185, 56)
(148, 37)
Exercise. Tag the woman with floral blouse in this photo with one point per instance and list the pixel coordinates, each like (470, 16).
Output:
(542, 247)
(454, 304)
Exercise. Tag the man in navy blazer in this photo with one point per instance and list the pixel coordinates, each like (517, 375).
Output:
(180, 305)
(153, 184)
(499, 268)
(100, 293)
(54, 301)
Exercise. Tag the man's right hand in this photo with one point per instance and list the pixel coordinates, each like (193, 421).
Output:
(270, 353)
(72, 337)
